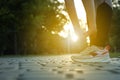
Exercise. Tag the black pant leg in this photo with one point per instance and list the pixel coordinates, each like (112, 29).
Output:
(103, 22)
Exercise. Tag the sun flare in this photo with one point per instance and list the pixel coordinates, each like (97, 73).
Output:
(68, 31)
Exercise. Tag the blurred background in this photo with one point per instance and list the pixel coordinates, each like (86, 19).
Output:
(42, 27)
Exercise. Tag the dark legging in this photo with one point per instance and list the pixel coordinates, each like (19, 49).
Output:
(103, 22)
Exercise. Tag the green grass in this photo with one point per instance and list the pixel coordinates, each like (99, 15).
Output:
(113, 55)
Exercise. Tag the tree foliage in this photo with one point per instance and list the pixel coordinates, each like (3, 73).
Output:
(26, 24)
(115, 28)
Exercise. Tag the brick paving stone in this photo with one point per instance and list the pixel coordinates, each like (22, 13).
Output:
(56, 68)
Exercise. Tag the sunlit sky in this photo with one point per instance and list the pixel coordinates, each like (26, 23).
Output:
(68, 30)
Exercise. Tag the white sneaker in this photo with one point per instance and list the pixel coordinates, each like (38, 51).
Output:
(101, 56)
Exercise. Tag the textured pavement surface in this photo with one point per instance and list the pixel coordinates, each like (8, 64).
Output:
(56, 68)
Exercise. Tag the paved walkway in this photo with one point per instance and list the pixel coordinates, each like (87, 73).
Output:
(56, 68)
